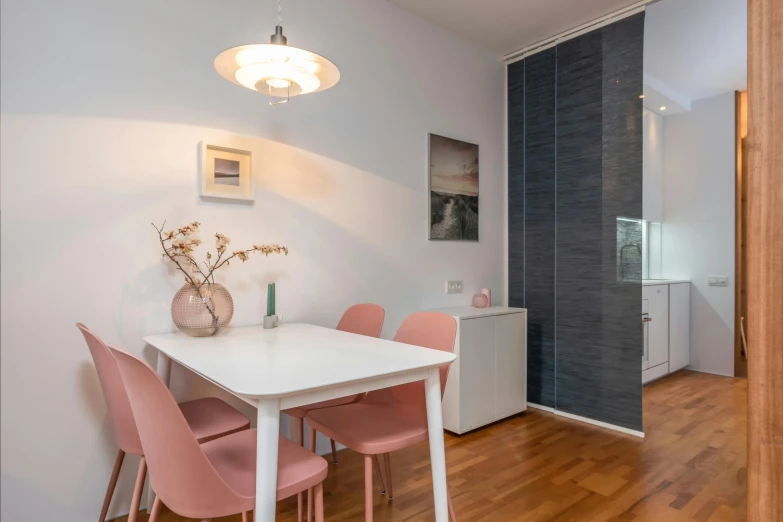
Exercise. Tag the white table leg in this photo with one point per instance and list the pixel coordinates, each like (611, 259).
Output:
(437, 447)
(164, 368)
(268, 427)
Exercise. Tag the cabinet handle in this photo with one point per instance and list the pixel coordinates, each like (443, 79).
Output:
(647, 319)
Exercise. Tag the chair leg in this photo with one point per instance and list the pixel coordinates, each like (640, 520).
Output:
(319, 502)
(156, 507)
(140, 477)
(299, 432)
(334, 451)
(112, 484)
(387, 465)
(452, 515)
(312, 439)
(367, 488)
(310, 491)
(381, 479)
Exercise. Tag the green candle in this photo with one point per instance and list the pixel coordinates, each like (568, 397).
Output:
(273, 299)
(269, 299)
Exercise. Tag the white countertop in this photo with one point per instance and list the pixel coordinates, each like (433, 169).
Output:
(467, 312)
(651, 282)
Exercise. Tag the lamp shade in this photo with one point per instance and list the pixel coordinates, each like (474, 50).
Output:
(278, 70)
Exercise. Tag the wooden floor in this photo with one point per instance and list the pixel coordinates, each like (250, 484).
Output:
(538, 467)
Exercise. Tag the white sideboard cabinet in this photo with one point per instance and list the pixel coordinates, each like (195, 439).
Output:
(488, 381)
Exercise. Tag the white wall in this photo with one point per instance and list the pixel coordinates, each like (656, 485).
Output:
(698, 231)
(103, 106)
(652, 166)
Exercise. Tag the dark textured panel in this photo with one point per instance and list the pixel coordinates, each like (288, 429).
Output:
(516, 184)
(622, 198)
(599, 335)
(540, 77)
(575, 166)
(580, 369)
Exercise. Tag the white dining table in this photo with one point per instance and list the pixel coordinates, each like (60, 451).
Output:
(297, 364)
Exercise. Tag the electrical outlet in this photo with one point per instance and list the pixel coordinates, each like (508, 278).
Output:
(453, 287)
(717, 281)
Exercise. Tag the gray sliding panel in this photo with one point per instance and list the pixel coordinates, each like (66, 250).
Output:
(599, 168)
(579, 355)
(622, 226)
(540, 105)
(537, 202)
(516, 185)
(574, 220)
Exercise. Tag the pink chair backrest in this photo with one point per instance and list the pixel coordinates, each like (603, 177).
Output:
(180, 473)
(434, 330)
(120, 414)
(363, 319)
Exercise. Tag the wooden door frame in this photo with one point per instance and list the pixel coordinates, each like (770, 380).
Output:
(740, 222)
(765, 261)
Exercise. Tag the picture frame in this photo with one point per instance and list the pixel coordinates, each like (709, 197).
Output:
(226, 174)
(453, 185)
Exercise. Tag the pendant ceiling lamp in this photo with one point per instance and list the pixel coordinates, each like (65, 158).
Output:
(275, 68)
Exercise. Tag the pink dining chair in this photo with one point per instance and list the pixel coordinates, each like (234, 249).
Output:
(362, 319)
(214, 479)
(393, 418)
(208, 418)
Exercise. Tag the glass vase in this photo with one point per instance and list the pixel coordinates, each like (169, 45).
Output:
(203, 310)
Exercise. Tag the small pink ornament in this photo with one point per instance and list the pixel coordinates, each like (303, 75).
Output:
(480, 301)
(487, 292)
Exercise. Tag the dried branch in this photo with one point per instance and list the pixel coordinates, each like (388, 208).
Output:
(166, 252)
(184, 247)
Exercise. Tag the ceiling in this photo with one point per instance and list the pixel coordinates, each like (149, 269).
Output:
(661, 99)
(695, 49)
(509, 25)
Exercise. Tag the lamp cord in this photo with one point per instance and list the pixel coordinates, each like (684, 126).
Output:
(279, 13)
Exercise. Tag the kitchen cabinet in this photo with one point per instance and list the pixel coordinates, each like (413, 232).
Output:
(658, 327)
(679, 326)
(488, 381)
(666, 323)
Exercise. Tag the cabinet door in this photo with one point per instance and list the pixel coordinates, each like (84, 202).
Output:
(679, 326)
(477, 372)
(511, 364)
(646, 333)
(658, 328)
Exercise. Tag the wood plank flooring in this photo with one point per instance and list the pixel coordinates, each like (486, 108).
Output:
(539, 467)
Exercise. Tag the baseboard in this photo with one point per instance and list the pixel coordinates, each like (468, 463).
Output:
(700, 370)
(587, 420)
(540, 407)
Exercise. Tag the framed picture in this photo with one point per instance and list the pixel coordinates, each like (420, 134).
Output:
(454, 189)
(225, 174)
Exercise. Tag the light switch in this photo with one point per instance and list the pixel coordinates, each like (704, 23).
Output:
(717, 280)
